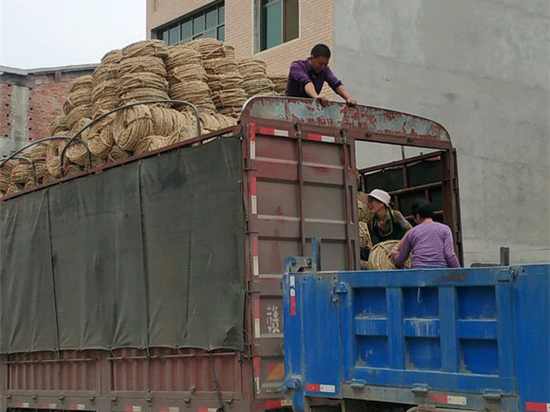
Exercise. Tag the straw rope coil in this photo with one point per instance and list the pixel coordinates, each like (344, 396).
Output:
(140, 81)
(279, 83)
(21, 173)
(181, 55)
(195, 92)
(364, 235)
(5, 174)
(185, 73)
(117, 154)
(100, 138)
(113, 56)
(58, 124)
(13, 188)
(224, 81)
(144, 64)
(364, 214)
(72, 170)
(53, 157)
(132, 125)
(379, 258)
(105, 72)
(81, 82)
(222, 65)
(150, 143)
(156, 48)
(211, 48)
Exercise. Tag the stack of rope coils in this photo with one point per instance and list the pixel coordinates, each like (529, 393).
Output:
(104, 86)
(142, 73)
(203, 72)
(79, 101)
(187, 78)
(379, 258)
(223, 76)
(255, 80)
(58, 125)
(279, 83)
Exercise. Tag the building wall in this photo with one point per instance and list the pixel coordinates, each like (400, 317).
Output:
(29, 102)
(316, 26)
(479, 67)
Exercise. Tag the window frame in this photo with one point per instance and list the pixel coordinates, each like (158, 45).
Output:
(258, 29)
(163, 32)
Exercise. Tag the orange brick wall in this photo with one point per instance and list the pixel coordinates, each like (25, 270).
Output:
(316, 26)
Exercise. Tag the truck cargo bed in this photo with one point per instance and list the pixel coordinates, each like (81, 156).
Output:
(472, 339)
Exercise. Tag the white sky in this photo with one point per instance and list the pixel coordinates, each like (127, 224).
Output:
(49, 33)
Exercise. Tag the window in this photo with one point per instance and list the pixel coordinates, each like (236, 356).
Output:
(209, 22)
(278, 22)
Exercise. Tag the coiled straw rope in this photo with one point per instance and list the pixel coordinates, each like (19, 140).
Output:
(379, 258)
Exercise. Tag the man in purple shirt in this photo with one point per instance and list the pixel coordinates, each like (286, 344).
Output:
(307, 77)
(431, 243)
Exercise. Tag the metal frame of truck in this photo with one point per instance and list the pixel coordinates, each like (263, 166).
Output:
(299, 180)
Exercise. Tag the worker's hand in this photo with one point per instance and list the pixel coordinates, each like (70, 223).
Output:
(323, 100)
(393, 254)
(351, 102)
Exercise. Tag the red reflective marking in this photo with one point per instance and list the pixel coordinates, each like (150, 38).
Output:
(313, 136)
(439, 398)
(313, 387)
(252, 129)
(293, 306)
(128, 408)
(266, 130)
(253, 184)
(255, 246)
(273, 404)
(257, 308)
(256, 367)
(537, 406)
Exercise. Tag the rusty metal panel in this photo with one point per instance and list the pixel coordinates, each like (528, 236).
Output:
(360, 122)
(43, 371)
(299, 184)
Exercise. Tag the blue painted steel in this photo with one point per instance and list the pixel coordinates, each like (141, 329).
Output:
(480, 336)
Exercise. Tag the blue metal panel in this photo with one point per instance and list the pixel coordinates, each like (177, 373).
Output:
(531, 307)
(421, 335)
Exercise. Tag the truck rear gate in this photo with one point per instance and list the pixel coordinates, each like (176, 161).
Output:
(472, 339)
(292, 165)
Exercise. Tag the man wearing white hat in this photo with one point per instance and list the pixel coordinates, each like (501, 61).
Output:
(386, 224)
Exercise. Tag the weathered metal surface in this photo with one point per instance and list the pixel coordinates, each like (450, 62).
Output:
(361, 122)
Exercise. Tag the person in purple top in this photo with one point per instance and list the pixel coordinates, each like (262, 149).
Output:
(307, 77)
(431, 243)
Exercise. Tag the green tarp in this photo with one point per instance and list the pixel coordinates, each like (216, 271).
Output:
(148, 254)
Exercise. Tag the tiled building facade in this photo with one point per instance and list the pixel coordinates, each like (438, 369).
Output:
(245, 24)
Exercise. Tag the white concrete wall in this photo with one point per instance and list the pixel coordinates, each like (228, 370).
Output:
(482, 69)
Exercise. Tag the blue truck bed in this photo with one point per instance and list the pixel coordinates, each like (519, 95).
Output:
(471, 339)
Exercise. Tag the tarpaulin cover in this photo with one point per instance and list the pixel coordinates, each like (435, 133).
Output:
(149, 254)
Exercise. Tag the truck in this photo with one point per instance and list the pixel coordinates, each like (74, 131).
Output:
(474, 339)
(153, 284)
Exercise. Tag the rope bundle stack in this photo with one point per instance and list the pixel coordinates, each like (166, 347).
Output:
(142, 73)
(279, 83)
(58, 125)
(5, 175)
(187, 78)
(77, 151)
(255, 80)
(104, 88)
(379, 258)
(100, 138)
(79, 101)
(223, 77)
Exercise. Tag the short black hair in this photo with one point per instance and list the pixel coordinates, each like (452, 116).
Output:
(320, 50)
(423, 208)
